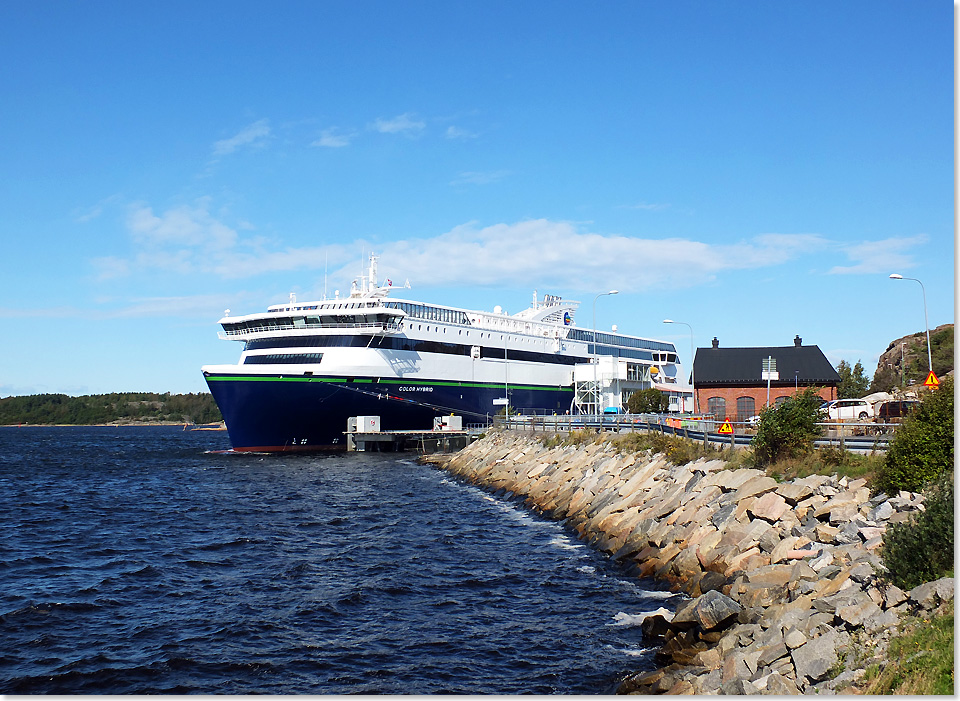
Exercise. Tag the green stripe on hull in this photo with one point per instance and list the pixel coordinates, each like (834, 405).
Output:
(268, 378)
(385, 380)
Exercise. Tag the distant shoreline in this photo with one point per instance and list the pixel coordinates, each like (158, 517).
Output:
(118, 424)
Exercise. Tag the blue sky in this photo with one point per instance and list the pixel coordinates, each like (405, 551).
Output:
(754, 169)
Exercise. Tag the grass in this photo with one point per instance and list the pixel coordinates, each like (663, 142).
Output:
(678, 450)
(919, 661)
(827, 461)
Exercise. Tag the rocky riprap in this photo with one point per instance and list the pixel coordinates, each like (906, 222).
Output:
(783, 577)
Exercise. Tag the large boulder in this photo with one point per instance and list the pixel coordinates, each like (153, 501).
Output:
(930, 595)
(711, 611)
(815, 658)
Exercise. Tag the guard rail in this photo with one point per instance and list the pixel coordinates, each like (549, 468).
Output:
(859, 437)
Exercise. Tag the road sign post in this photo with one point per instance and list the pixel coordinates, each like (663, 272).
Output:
(769, 372)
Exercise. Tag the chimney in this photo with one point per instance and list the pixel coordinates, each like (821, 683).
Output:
(716, 343)
(797, 341)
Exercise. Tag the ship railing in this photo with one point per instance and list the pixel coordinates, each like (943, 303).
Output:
(269, 328)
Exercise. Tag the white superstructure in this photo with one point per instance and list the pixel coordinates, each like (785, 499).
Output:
(371, 337)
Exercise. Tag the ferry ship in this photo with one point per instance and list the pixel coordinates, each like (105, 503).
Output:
(306, 368)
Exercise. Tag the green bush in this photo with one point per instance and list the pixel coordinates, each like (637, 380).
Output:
(921, 550)
(788, 430)
(922, 448)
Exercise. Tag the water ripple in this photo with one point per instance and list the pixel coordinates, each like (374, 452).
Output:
(144, 561)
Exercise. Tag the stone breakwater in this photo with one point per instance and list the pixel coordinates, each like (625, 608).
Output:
(783, 577)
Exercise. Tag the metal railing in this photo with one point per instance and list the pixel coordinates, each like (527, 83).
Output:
(855, 437)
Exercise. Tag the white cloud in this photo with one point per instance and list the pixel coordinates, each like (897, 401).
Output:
(255, 135)
(405, 123)
(84, 216)
(886, 256)
(189, 226)
(333, 138)
(198, 306)
(544, 252)
(459, 133)
(190, 239)
(474, 177)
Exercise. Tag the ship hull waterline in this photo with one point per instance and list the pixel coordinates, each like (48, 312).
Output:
(307, 413)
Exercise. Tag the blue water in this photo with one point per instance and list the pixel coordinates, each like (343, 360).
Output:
(135, 561)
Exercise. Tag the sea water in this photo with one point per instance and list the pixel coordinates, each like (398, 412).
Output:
(139, 560)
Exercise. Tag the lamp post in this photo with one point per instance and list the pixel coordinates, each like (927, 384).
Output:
(926, 324)
(696, 410)
(902, 345)
(596, 356)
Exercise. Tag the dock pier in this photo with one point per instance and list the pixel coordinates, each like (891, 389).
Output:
(364, 435)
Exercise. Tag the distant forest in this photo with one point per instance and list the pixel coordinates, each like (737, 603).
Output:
(124, 407)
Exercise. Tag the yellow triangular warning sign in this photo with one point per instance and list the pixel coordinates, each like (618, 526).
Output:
(726, 428)
(932, 381)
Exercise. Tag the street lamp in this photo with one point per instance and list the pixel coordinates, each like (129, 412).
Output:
(696, 410)
(926, 324)
(596, 356)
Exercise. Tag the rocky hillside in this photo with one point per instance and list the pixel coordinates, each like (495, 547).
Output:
(912, 364)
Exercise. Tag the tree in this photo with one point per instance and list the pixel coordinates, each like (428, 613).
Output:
(787, 430)
(102, 408)
(941, 349)
(649, 400)
(922, 448)
(853, 384)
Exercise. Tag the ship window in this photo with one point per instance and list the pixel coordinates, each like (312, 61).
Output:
(283, 358)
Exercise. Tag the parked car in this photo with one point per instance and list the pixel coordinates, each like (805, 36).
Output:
(894, 412)
(848, 410)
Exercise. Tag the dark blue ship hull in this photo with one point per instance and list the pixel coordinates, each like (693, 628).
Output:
(274, 413)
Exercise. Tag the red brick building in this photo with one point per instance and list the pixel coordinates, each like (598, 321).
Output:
(730, 382)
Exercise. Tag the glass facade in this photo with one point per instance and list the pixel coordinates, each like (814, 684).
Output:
(430, 313)
(408, 344)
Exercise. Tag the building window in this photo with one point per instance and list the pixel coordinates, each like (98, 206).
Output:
(780, 400)
(746, 408)
(718, 407)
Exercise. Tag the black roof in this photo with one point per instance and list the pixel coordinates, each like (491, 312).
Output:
(743, 366)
